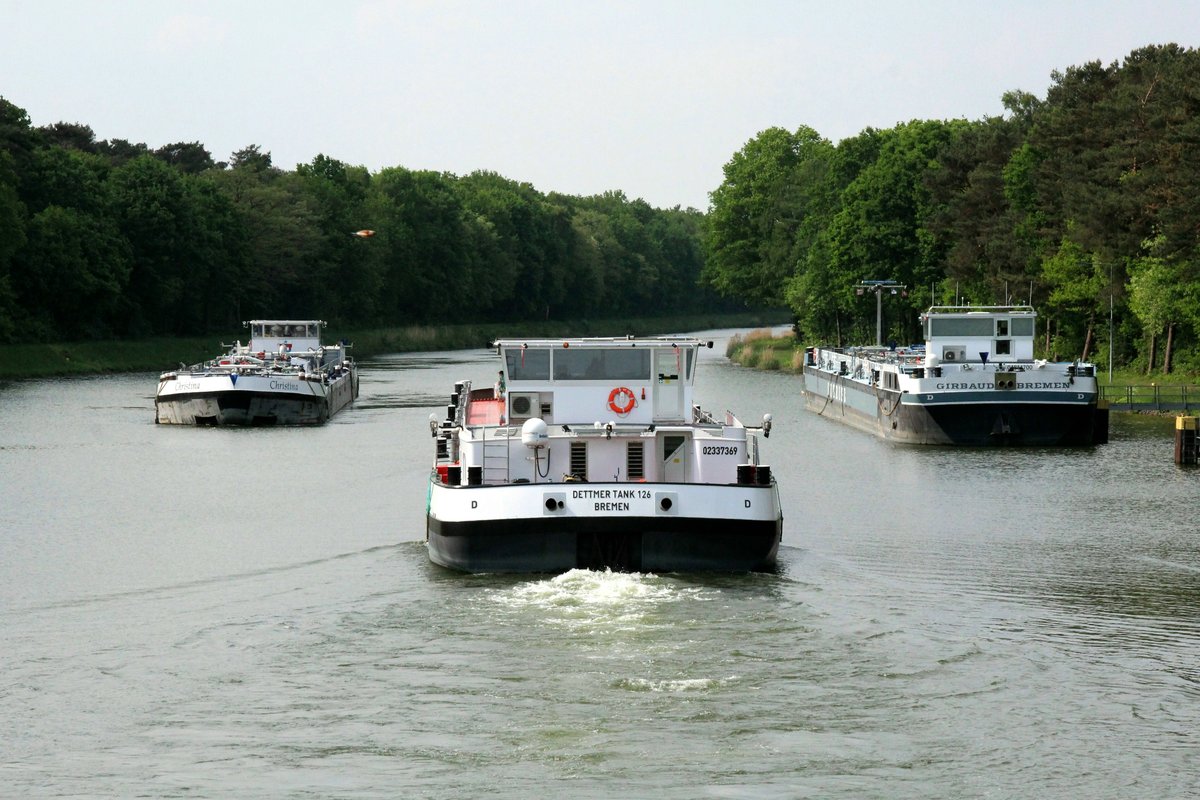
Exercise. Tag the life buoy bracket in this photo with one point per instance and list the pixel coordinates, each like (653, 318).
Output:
(621, 400)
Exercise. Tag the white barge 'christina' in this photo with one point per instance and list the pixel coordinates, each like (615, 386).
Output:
(284, 376)
(974, 382)
(589, 453)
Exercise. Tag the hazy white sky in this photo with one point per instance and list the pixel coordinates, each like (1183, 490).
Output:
(651, 98)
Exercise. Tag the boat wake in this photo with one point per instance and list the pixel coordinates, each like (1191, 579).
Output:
(672, 686)
(580, 597)
(163, 591)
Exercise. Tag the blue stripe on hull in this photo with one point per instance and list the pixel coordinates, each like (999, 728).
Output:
(1005, 397)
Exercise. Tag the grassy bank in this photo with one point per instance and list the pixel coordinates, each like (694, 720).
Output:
(154, 355)
(760, 350)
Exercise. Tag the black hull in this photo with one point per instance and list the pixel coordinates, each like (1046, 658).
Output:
(631, 544)
(1000, 424)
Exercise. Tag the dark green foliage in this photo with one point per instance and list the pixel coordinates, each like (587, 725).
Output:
(1086, 198)
(111, 239)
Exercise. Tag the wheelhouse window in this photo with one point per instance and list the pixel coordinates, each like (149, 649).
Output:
(528, 363)
(960, 326)
(1003, 347)
(1001, 328)
(602, 364)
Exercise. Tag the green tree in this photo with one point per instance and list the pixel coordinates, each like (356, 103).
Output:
(152, 209)
(423, 241)
(17, 136)
(1077, 282)
(821, 294)
(881, 230)
(72, 274)
(189, 157)
(12, 239)
(70, 135)
(347, 270)
(1163, 292)
(758, 211)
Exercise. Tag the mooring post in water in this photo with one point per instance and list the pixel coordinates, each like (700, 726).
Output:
(1187, 443)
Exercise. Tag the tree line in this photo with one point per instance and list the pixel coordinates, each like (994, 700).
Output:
(111, 239)
(1085, 203)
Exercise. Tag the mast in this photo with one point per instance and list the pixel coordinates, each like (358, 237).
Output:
(877, 287)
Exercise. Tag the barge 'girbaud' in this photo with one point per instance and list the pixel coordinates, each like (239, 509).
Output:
(974, 382)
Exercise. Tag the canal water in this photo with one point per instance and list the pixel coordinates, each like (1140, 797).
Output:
(250, 613)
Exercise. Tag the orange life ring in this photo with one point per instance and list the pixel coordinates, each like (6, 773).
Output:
(624, 408)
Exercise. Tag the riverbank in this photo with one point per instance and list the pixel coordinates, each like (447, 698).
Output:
(155, 355)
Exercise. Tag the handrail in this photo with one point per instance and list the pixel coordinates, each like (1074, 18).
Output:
(1180, 396)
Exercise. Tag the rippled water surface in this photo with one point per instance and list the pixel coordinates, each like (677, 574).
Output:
(219, 613)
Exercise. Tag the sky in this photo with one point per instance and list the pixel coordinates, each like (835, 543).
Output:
(648, 98)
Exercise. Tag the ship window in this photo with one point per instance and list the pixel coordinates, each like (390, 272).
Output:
(1003, 347)
(635, 461)
(1002, 327)
(528, 363)
(1022, 326)
(960, 326)
(579, 460)
(602, 364)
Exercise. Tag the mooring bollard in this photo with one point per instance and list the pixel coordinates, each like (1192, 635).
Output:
(1187, 444)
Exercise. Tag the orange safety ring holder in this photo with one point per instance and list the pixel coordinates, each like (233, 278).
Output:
(624, 407)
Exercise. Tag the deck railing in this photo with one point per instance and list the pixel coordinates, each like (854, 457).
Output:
(1171, 397)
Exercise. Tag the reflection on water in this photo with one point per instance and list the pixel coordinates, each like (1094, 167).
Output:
(377, 401)
(423, 361)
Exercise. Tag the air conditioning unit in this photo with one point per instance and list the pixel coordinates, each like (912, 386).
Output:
(524, 405)
(954, 354)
